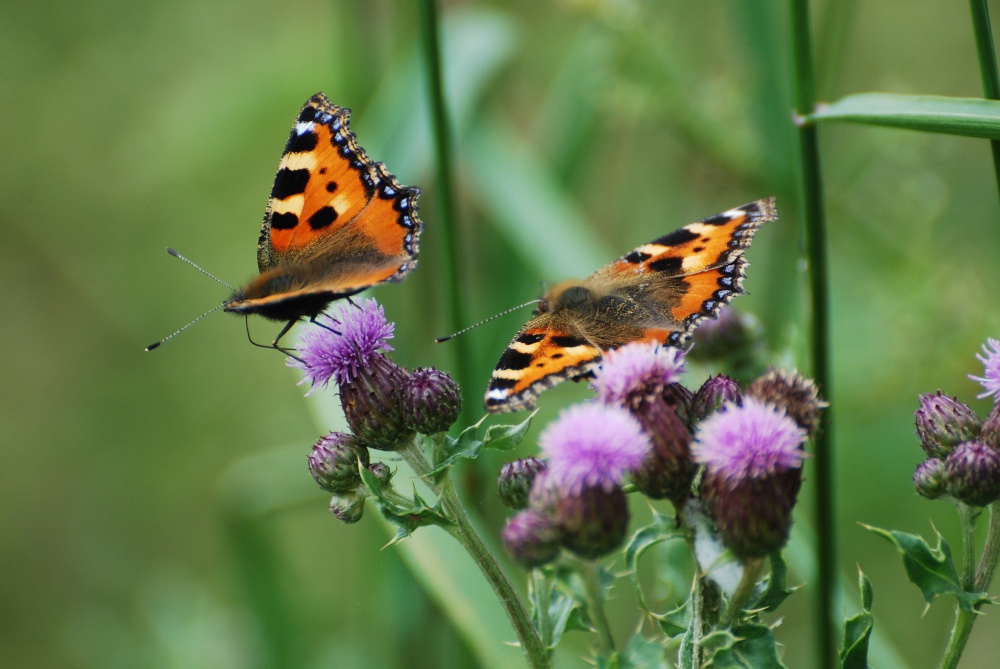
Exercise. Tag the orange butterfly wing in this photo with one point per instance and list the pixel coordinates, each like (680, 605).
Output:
(336, 222)
(658, 292)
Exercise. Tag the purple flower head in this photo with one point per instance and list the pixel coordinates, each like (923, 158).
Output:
(749, 441)
(344, 343)
(592, 445)
(990, 379)
(640, 365)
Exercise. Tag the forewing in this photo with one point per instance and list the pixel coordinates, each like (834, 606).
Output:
(331, 202)
(546, 351)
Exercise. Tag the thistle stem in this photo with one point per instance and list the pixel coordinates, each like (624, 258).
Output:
(535, 653)
(959, 636)
(968, 516)
(991, 552)
(590, 573)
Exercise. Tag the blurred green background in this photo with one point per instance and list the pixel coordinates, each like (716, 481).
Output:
(155, 509)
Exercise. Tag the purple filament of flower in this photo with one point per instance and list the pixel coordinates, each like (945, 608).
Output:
(990, 379)
(592, 445)
(343, 344)
(752, 440)
(637, 365)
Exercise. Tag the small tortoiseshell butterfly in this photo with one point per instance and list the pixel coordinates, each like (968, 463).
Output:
(658, 292)
(336, 223)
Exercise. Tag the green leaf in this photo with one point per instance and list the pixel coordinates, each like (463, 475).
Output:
(746, 646)
(858, 629)
(663, 528)
(468, 445)
(406, 514)
(776, 589)
(676, 621)
(969, 117)
(641, 653)
(930, 569)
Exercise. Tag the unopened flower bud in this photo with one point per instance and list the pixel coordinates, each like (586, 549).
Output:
(348, 507)
(593, 521)
(515, 479)
(668, 469)
(794, 393)
(991, 427)
(381, 472)
(931, 479)
(333, 462)
(943, 422)
(372, 405)
(734, 337)
(715, 392)
(431, 401)
(973, 471)
(531, 538)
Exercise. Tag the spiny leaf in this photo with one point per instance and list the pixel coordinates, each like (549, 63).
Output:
(858, 629)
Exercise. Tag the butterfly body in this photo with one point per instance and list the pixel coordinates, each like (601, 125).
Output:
(336, 222)
(658, 292)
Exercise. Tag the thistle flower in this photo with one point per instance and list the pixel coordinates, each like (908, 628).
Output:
(589, 449)
(431, 401)
(973, 473)
(515, 480)
(990, 379)
(590, 445)
(531, 538)
(943, 422)
(640, 367)
(333, 462)
(753, 470)
(643, 377)
(348, 349)
(794, 393)
(991, 427)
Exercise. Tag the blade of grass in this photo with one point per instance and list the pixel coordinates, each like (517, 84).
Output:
(811, 198)
(968, 117)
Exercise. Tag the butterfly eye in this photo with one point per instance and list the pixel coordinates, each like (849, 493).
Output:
(578, 299)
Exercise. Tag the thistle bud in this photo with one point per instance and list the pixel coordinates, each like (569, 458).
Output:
(372, 405)
(381, 472)
(715, 392)
(531, 539)
(668, 469)
(733, 337)
(515, 479)
(931, 479)
(943, 422)
(973, 472)
(348, 507)
(794, 393)
(431, 401)
(991, 427)
(333, 462)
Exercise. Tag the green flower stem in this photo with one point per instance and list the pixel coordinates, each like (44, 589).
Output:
(968, 515)
(542, 585)
(959, 636)
(531, 645)
(987, 66)
(590, 573)
(991, 552)
(752, 569)
(811, 196)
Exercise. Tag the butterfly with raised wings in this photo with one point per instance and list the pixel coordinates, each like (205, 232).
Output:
(659, 292)
(336, 223)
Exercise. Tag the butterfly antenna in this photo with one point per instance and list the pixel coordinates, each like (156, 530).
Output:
(487, 320)
(193, 264)
(171, 336)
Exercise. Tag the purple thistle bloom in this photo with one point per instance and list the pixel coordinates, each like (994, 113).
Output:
(990, 379)
(640, 364)
(748, 441)
(592, 446)
(344, 344)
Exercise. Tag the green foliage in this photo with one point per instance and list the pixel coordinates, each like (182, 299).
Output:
(967, 117)
(931, 569)
(858, 629)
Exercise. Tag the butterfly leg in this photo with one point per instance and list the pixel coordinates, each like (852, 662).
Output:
(274, 344)
(312, 319)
